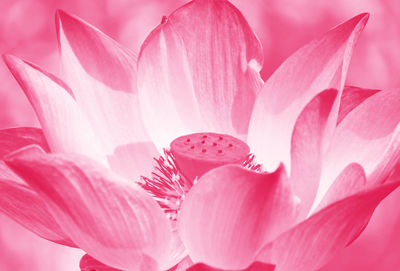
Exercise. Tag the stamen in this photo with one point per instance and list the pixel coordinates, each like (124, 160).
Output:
(166, 185)
(251, 163)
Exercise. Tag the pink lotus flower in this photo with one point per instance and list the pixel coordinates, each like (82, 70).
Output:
(328, 152)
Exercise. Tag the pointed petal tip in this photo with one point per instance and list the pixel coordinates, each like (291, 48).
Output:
(361, 19)
(11, 61)
(7, 57)
(18, 65)
(62, 16)
(365, 15)
(16, 156)
(63, 19)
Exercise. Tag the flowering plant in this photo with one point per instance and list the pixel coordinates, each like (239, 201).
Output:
(275, 175)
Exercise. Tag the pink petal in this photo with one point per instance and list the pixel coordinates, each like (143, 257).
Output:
(222, 64)
(351, 98)
(103, 77)
(306, 148)
(183, 265)
(377, 248)
(320, 65)
(112, 220)
(350, 181)
(388, 162)
(312, 243)
(22, 204)
(16, 138)
(133, 160)
(166, 92)
(257, 266)
(88, 263)
(225, 58)
(64, 124)
(232, 212)
(362, 137)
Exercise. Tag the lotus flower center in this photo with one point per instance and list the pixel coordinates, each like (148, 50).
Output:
(188, 158)
(195, 154)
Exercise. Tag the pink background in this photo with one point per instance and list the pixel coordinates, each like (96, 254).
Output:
(27, 30)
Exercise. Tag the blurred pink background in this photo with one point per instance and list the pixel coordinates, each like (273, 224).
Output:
(27, 30)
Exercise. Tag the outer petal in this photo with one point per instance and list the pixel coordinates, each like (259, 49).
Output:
(377, 247)
(88, 263)
(351, 98)
(166, 92)
(183, 265)
(320, 65)
(362, 137)
(306, 148)
(115, 222)
(15, 138)
(350, 181)
(388, 162)
(232, 212)
(257, 266)
(22, 204)
(103, 77)
(312, 243)
(64, 124)
(224, 57)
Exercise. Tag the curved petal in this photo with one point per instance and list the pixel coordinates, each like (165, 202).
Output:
(312, 243)
(238, 211)
(15, 138)
(103, 77)
(388, 162)
(25, 206)
(133, 160)
(306, 148)
(377, 247)
(351, 98)
(183, 265)
(88, 263)
(257, 266)
(167, 99)
(350, 181)
(114, 221)
(362, 137)
(225, 58)
(320, 65)
(64, 124)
